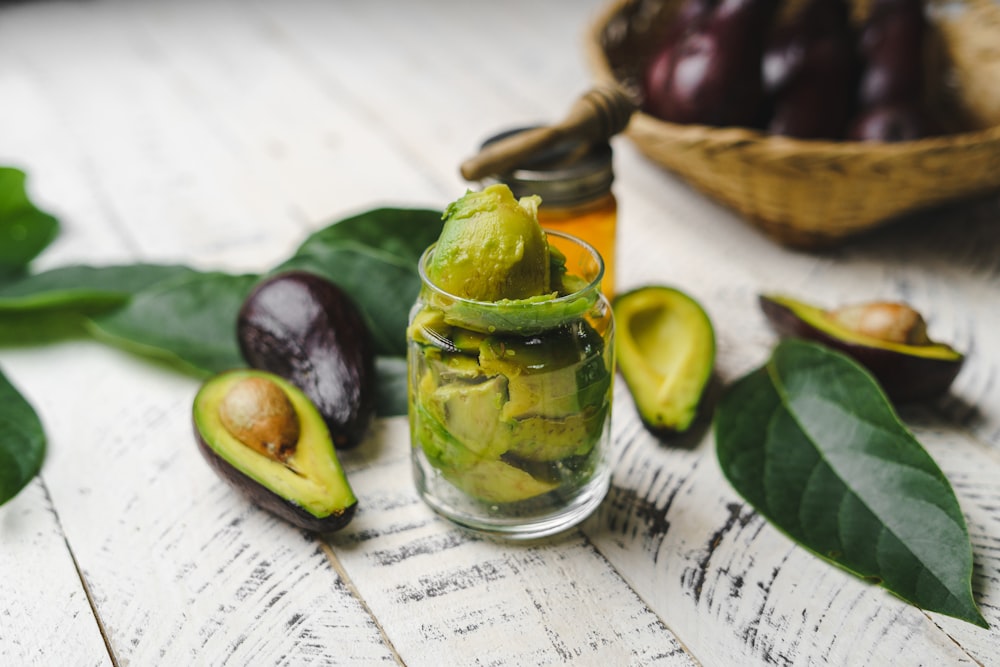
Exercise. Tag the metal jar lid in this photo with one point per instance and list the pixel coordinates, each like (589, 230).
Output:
(568, 173)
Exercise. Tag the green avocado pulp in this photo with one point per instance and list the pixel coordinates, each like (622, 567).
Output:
(510, 383)
(493, 268)
(666, 353)
(491, 248)
(311, 478)
(496, 421)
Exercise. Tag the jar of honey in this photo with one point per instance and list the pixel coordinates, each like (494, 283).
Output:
(574, 179)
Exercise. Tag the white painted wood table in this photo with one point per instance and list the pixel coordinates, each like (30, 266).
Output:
(218, 134)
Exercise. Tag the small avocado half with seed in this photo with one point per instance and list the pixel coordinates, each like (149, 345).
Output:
(888, 338)
(267, 439)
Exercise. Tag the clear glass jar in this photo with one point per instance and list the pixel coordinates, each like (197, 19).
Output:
(574, 181)
(510, 403)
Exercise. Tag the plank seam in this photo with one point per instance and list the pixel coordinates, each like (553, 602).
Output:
(954, 641)
(638, 595)
(331, 556)
(79, 574)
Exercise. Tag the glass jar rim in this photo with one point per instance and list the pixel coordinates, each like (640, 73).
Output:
(593, 285)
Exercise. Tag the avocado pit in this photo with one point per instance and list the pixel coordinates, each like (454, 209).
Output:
(258, 413)
(884, 320)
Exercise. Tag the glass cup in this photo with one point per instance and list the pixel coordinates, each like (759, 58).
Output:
(510, 402)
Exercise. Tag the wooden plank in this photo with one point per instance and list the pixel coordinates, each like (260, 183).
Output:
(438, 77)
(172, 187)
(296, 130)
(45, 616)
(447, 596)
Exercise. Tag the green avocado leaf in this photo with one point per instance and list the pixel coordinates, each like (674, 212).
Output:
(814, 445)
(82, 288)
(373, 256)
(188, 320)
(24, 229)
(22, 441)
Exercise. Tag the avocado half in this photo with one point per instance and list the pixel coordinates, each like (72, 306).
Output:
(906, 372)
(665, 348)
(306, 486)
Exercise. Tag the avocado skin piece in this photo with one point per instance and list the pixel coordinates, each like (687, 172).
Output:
(906, 372)
(256, 490)
(667, 378)
(307, 330)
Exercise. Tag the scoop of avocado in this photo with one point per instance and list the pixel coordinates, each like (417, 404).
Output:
(267, 439)
(665, 346)
(488, 479)
(890, 339)
(491, 248)
(552, 374)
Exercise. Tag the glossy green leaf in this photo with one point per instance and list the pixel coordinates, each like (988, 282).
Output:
(188, 320)
(24, 230)
(814, 445)
(41, 327)
(22, 441)
(373, 256)
(82, 288)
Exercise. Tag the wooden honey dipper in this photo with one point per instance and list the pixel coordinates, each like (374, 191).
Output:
(596, 116)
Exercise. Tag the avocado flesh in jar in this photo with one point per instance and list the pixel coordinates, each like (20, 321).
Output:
(471, 420)
(488, 479)
(666, 353)
(491, 248)
(509, 380)
(492, 252)
(307, 487)
(541, 372)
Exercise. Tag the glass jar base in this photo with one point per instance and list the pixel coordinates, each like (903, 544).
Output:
(524, 520)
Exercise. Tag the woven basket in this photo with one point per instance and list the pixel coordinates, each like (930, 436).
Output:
(812, 194)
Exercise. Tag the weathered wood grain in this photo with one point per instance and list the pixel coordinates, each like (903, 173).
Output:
(219, 134)
(447, 596)
(45, 616)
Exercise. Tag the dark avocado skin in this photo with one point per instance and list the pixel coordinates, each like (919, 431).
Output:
(904, 377)
(307, 330)
(270, 501)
